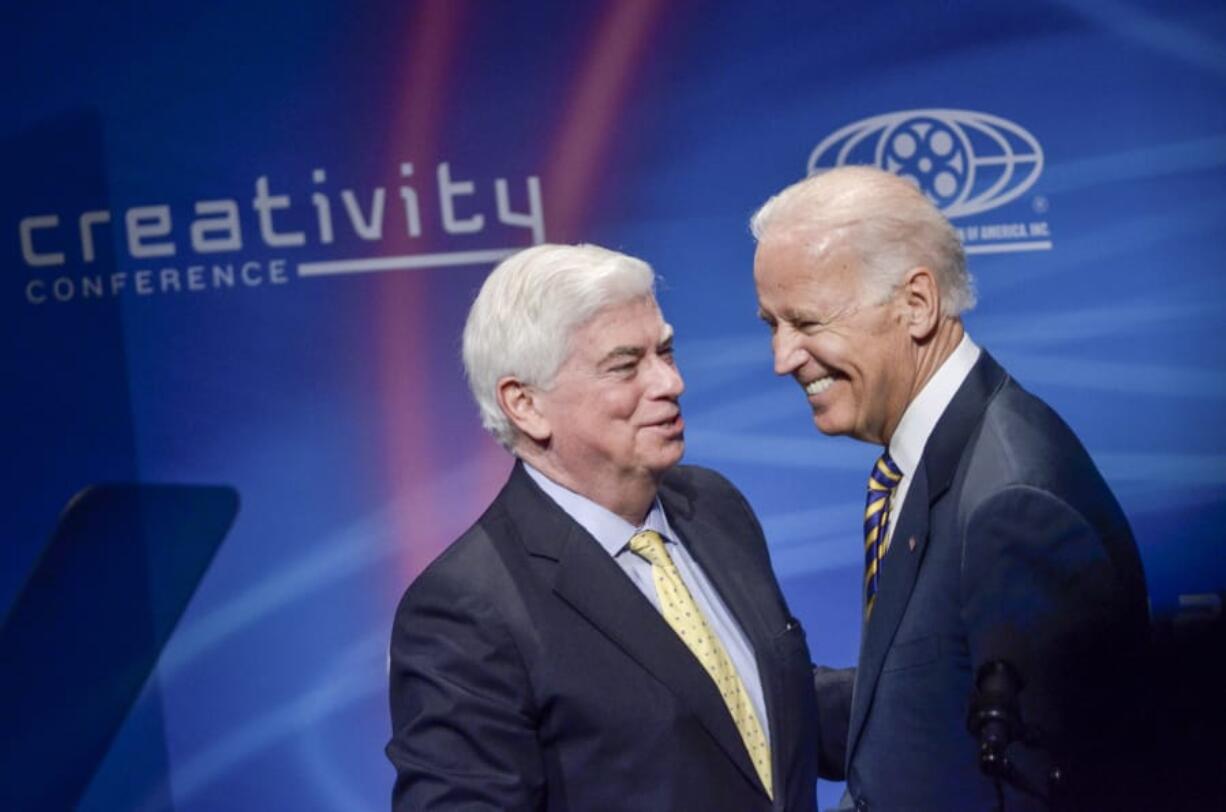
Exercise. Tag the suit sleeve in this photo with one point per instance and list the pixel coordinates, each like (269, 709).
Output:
(833, 689)
(463, 731)
(1040, 591)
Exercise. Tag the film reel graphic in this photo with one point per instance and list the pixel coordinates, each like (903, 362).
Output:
(966, 162)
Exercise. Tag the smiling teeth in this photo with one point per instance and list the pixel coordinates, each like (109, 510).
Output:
(820, 385)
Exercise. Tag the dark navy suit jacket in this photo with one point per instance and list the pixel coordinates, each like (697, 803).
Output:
(528, 672)
(1010, 546)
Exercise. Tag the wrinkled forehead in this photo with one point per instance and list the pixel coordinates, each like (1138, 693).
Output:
(794, 266)
(638, 321)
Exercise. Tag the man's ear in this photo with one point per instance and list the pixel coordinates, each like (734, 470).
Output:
(921, 300)
(519, 403)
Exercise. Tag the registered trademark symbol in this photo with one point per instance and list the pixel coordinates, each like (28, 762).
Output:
(1040, 204)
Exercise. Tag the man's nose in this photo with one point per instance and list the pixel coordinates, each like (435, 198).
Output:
(668, 382)
(788, 354)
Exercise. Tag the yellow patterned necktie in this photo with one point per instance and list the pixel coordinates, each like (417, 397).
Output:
(687, 620)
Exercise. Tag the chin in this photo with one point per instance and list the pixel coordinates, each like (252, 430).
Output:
(829, 426)
(668, 457)
(676, 456)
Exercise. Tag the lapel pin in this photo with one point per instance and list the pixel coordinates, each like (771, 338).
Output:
(911, 544)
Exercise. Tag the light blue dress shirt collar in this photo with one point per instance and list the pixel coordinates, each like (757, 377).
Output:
(611, 531)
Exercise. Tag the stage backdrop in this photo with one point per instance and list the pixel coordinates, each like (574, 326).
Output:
(241, 239)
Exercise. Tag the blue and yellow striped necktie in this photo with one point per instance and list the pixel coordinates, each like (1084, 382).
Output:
(881, 484)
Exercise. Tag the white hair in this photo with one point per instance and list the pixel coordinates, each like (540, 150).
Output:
(885, 219)
(521, 323)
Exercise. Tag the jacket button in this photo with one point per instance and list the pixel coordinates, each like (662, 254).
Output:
(861, 805)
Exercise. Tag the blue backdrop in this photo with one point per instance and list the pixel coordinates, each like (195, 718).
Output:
(242, 238)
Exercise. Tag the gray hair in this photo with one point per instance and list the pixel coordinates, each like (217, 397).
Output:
(526, 312)
(885, 219)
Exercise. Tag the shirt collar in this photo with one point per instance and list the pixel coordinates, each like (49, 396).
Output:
(611, 531)
(922, 414)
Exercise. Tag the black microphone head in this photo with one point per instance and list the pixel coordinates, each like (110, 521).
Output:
(999, 678)
(993, 715)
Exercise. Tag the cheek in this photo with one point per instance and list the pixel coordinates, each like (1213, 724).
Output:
(621, 406)
(822, 348)
(838, 353)
(885, 371)
(626, 401)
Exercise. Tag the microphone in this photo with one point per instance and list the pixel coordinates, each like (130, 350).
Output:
(994, 717)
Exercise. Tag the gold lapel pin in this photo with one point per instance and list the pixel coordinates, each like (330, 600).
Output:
(911, 544)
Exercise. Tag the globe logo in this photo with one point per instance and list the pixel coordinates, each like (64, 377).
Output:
(965, 162)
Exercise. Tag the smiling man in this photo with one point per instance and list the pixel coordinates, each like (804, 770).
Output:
(996, 557)
(609, 635)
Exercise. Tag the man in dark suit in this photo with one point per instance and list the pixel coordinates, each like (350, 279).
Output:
(995, 554)
(609, 635)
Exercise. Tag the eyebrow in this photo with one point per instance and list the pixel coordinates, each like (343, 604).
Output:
(791, 315)
(621, 352)
(628, 351)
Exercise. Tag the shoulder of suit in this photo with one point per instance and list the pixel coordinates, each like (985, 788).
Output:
(1023, 441)
(1026, 423)
(690, 491)
(472, 563)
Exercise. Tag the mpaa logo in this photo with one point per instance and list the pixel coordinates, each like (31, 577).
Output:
(966, 162)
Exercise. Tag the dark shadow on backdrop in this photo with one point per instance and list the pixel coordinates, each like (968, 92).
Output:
(86, 629)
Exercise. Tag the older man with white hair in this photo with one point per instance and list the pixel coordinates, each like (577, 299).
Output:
(609, 634)
(1001, 578)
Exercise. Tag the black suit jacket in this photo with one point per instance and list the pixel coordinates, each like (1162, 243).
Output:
(528, 672)
(1010, 546)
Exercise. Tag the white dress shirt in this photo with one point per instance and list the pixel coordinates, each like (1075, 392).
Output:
(921, 416)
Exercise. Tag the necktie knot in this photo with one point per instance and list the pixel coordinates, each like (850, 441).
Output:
(649, 544)
(885, 475)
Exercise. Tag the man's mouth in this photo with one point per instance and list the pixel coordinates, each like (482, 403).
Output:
(671, 423)
(819, 386)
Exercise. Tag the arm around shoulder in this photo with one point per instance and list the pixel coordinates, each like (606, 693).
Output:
(833, 688)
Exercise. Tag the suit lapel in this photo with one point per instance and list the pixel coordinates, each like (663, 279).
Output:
(597, 588)
(933, 475)
(727, 564)
(897, 579)
(734, 573)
